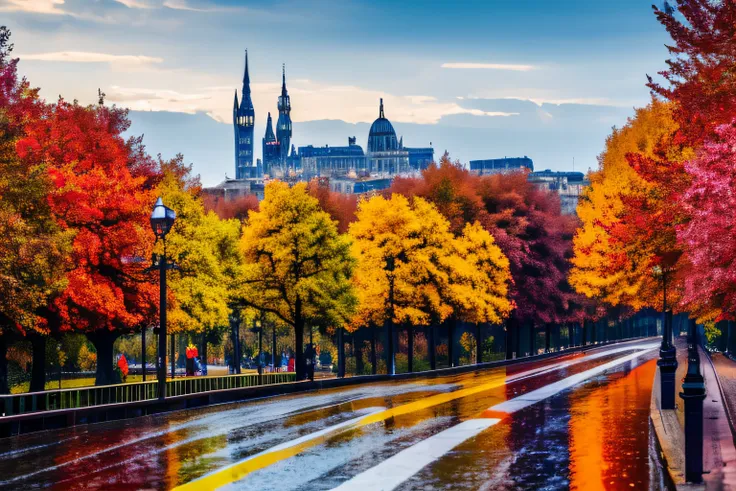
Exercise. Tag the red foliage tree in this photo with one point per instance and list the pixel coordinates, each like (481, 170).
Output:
(239, 207)
(341, 207)
(103, 192)
(700, 71)
(709, 237)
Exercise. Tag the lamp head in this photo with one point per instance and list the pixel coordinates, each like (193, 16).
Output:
(162, 219)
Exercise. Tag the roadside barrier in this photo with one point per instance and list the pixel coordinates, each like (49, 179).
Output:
(82, 397)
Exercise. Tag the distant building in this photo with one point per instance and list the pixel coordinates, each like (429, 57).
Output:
(243, 120)
(277, 160)
(331, 161)
(348, 168)
(359, 185)
(231, 189)
(420, 158)
(385, 156)
(568, 185)
(496, 166)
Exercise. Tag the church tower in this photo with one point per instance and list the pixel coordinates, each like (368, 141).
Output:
(271, 153)
(283, 125)
(243, 119)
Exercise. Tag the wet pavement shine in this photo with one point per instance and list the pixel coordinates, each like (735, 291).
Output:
(579, 421)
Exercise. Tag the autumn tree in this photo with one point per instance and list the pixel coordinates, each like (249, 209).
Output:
(297, 266)
(34, 250)
(413, 271)
(613, 260)
(708, 237)
(103, 192)
(700, 71)
(525, 222)
(341, 207)
(206, 251)
(225, 208)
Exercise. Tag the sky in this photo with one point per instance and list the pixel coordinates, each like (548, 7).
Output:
(435, 63)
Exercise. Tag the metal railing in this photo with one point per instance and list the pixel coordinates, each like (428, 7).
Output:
(82, 397)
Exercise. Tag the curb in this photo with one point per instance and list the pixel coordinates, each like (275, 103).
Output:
(727, 410)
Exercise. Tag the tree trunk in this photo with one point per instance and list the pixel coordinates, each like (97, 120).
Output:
(4, 389)
(432, 347)
(374, 361)
(478, 345)
(450, 350)
(358, 352)
(38, 367)
(340, 353)
(547, 337)
(299, 361)
(509, 339)
(103, 341)
(410, 350)
(531, 339)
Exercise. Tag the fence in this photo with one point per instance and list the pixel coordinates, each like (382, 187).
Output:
(82, 397)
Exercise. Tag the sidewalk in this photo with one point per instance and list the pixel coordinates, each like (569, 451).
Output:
(719, 453)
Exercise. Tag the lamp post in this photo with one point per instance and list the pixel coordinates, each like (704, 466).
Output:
(162, 219)
(667, 353)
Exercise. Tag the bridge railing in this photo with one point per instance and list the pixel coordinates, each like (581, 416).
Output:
(82, 397)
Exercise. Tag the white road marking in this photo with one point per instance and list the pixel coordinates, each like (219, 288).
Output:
(393, 471)
(397, 469)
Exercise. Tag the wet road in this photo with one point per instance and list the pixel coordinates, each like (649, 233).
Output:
(572, 422)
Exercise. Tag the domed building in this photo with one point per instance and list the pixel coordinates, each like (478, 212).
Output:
(386, 153)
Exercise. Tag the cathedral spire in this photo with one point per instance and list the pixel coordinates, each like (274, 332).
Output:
(380, 111)
(235, 101)
(283, 79)
(270, 136)
(246, 75)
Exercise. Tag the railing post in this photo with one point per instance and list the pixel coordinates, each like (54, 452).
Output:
(693, 393)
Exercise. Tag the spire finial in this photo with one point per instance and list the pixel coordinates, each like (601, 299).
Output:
(283, 74)
(380, 111)
(246, 75)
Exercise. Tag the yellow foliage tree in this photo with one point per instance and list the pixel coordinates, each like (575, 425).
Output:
(297, 266)
(413, 271)
(205, 248)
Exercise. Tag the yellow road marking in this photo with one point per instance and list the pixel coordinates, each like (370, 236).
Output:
(238, 471)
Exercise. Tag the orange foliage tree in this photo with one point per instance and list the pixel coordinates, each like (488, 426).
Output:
(102, 191)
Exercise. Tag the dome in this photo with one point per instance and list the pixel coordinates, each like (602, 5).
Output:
(382, 136)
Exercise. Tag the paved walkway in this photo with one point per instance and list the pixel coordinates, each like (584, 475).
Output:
(726, 370)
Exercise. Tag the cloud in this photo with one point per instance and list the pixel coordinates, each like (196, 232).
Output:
(586, 101)
(310, 101)
(90, 57)
(138, 4)
(177, 5)
(489, 66)
(182, 5)
(34, 6)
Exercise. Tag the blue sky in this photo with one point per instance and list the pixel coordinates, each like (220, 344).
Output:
(431, 61)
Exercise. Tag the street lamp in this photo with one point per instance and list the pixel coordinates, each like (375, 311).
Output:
(162, 219)
(667, 353)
